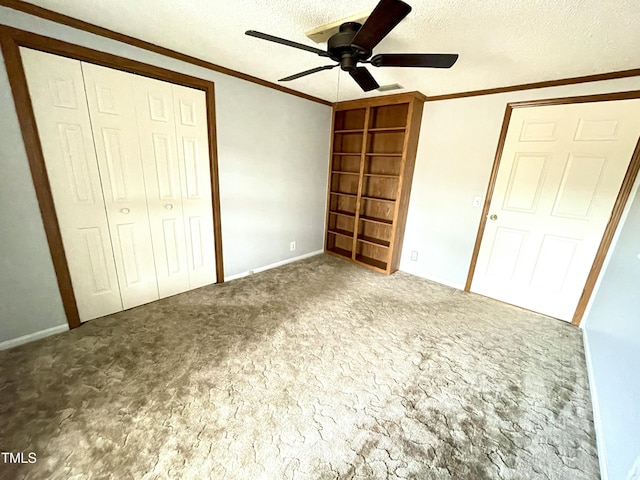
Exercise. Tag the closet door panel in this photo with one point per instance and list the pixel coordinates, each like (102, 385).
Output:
(156, 127)
(113, 118)
(193, 153)
(58, 97)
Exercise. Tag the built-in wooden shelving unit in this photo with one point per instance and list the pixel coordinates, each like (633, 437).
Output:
(373, 153)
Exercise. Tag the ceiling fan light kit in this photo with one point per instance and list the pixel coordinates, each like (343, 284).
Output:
(354, 43)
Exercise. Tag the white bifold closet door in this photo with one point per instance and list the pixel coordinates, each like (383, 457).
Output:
(145, 154)
(115, 134)
(156, 125)
(57, 93)
(193, 155)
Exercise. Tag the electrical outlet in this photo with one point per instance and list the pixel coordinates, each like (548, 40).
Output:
(292, 246)
(414, 256)
(477, 201)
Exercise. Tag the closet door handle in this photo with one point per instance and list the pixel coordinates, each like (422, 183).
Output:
(169, 206)
(125, 210)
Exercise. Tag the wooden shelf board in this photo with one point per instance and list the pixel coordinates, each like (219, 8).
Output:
(352, 130)
(348, 154)
(387, 200)
(372, 261)
(340, 252)
(387, 129)
(374, 241)
(344, 172)
(344, 194)
(376, 220)
(343, 213)
(381, 175)
(376, 154)
(343, 233)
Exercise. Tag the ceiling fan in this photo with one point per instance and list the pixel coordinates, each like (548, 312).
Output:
(354, 43)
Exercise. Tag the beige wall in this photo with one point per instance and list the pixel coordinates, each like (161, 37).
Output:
(458, 141)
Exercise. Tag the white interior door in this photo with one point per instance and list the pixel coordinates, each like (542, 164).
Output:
(57, 93)
(559, 176)
(157, 131)
(193, 152)
(115, 131)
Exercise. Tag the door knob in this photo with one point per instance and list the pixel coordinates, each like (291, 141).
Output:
(125, 210)
(493, 217)
(169, 206)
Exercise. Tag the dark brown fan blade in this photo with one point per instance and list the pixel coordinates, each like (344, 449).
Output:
(308, 72)
(433, 60)
(288, 43)
(363, 78)
(386, 15)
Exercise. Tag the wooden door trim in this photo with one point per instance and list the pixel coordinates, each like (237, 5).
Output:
(621, 200)
(11, 40)
(26, 118)
(607, 236)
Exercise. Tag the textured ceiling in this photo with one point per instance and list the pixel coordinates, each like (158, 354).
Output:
(500, 42)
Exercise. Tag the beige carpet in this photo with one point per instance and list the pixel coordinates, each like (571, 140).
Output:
(315, 370)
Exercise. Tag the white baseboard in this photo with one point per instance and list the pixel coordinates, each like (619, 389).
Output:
(273, 265)
(457, 286)
(595, 406)
(33, 336)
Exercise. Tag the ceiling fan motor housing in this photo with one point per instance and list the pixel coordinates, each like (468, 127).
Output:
(341, 50)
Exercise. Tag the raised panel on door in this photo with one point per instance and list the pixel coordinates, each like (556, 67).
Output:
(553, 262)
(193, 154)
(156, 127)
(525, 182)
(115, 131)
(60, 107)
(505, 252)
(578, 188)
(559, 175)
